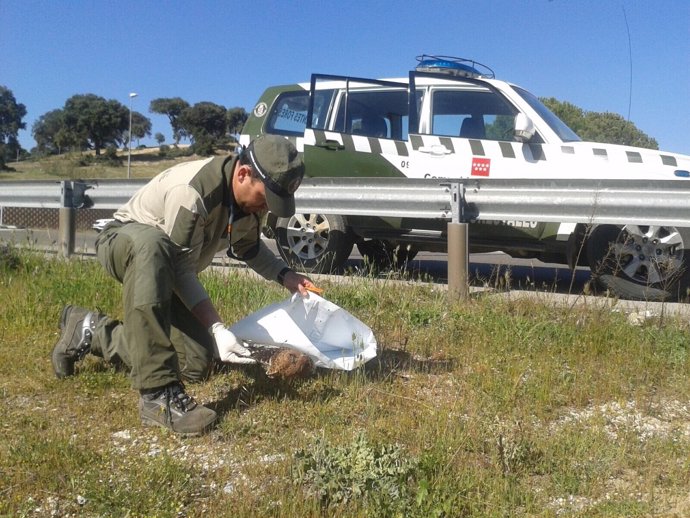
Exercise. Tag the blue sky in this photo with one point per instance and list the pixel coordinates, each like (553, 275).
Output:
(228, 52)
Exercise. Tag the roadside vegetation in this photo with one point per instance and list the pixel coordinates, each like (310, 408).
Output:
(495, 407)
(145, 163)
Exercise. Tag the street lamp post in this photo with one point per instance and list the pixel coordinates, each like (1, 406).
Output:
(129, 137)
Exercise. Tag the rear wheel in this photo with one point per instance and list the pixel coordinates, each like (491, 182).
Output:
(645, 262)
(314, 243)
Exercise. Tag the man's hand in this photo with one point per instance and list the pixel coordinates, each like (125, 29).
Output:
(294, 281)
(228, 348)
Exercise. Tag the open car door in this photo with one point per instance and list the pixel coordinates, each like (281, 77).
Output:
(364, 132)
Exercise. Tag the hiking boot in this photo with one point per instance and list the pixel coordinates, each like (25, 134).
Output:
(171, 407)
(77, 326)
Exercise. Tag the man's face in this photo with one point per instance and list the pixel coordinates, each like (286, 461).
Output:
(250, 193)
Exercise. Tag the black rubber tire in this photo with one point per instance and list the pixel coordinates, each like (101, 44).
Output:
(641, 262)
(314, 243)
(384, 255)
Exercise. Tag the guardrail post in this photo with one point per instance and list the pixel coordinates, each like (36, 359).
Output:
(458, 246)
(67, 224)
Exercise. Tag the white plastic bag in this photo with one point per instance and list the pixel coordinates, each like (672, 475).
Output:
(324, 331)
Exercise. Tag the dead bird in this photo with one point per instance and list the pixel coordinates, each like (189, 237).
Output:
(281, 362)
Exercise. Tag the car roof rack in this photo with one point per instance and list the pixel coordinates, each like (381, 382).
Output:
(460, 67)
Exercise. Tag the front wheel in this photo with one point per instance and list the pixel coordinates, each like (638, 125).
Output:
(314, 243)
(644, 262)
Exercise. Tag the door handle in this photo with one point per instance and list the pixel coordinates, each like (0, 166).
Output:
(333, 145)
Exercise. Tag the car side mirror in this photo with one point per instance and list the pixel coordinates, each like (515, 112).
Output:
(524, 128)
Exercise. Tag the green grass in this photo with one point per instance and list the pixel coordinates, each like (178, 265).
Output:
(144, 164)
(488, 408)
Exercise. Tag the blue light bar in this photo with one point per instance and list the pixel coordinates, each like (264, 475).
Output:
(453, 66)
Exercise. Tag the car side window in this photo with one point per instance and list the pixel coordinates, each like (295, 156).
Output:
(379, 114)
(471, 113)
(289, 112)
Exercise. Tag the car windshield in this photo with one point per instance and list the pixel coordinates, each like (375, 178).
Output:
(556, 124)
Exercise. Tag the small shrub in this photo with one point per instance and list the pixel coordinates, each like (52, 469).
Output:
(110, 157)
(9, 258)
(203, 146)
(177, 152)
(357, 471)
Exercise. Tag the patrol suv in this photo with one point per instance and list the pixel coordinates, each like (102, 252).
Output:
(450, 118)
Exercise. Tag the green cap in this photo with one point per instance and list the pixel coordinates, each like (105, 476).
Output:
(280, 168)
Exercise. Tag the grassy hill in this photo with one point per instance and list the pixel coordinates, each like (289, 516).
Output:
(145, 163)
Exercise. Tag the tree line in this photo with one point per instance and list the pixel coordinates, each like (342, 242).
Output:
(91, 122)
(88, 121)
(605, 127)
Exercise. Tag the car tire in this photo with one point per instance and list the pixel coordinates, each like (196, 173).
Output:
(641, 262)
(314, 243)
(384, 255)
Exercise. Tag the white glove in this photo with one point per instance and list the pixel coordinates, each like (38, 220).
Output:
(228, 348)
(242, 360)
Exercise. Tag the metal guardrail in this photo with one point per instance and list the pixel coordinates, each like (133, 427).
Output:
(102, 194)
(457, 202)
(617, 202)
(482, 199)
(383, 197)
(353, 196)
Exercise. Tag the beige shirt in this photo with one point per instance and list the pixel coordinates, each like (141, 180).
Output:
(190, 202)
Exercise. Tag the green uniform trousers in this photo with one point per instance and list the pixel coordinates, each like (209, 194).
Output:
(159, 339)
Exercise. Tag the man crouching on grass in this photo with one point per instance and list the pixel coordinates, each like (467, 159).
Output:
(168, 232)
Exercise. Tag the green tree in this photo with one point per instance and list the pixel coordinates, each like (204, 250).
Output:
(52, 135)
(160, 138)
(172, 107)
(236, 118)
(567, 112)
(11, 115)
(614, 129)
(141, 126)
(97, 121)
(606, 127)
(44, 130)
(206, 123)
